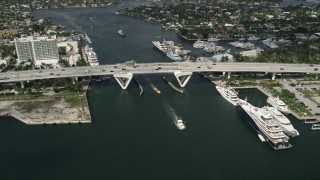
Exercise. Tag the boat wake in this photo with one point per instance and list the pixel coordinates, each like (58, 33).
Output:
(94, 22)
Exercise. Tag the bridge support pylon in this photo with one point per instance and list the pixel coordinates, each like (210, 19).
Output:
(123, 79)
(273, 76)
(229, 75)
(182, 77)
(22, 84)
(74, 80)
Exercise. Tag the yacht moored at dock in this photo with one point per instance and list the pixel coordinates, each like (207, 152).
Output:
(278, 104)
(91, 56)
(283, 121)
(266, 126)
(315, 127)
(163, 45)
(229, 94)
(174, 56)
(199, 44)
(213, 39)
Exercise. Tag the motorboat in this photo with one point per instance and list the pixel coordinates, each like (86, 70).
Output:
(277, 103)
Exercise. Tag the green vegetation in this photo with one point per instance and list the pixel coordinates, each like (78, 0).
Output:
(75, 100)
(81, 61)
(62, 50)
(64, 63)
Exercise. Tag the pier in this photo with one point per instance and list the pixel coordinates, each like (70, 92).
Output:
(88, 39)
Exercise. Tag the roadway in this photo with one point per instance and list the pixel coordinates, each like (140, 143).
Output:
(152, 68)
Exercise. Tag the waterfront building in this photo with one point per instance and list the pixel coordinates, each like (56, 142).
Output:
(40, 49)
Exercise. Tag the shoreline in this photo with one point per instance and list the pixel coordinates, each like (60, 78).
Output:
(63, 110)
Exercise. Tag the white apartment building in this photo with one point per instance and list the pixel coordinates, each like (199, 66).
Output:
(40, 49)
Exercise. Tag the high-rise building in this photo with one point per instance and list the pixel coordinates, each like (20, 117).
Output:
(40, 49)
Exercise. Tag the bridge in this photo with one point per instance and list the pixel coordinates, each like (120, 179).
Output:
(124, 72)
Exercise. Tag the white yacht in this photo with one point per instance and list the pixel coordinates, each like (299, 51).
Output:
(229, 94)
(213, 39)
(180, 124)
(174, 56)
(270, 43)
(199, 44)
(283, 121)
(278, 104)
(160, 46)
(163, 45)
(253, 38)
(243, 45)
(266, 126)
(91, 56)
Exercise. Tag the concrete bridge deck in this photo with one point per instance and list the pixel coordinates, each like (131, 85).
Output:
(182, 70)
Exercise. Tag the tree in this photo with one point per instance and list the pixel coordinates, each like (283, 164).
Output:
(183, 31)
(287, 93)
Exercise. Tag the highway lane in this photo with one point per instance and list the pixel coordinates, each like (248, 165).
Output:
(152, 68)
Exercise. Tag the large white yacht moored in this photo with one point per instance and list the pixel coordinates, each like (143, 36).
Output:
(199, 44)
(229, 94)
(91, 56)
(266, 126)
(174, 56)
(278, 104)
(163, 45)
(283, 121)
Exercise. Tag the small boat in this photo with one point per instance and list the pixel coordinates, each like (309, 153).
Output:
(261, 138)
(157, 90)
(277, 103)
(179, 123)
(121, 33)
(315, 127)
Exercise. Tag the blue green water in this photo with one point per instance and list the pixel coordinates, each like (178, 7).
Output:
(134, 137)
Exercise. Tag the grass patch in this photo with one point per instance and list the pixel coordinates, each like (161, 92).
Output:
(75, 100)
(296, 107)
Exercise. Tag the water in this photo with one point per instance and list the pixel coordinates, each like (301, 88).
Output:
(133, 137)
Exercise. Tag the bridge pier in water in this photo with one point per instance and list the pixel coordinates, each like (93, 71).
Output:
(182, 77)
(74, 80)
(123, 79)
(229, 75)
(273, 76)
(22, 84)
